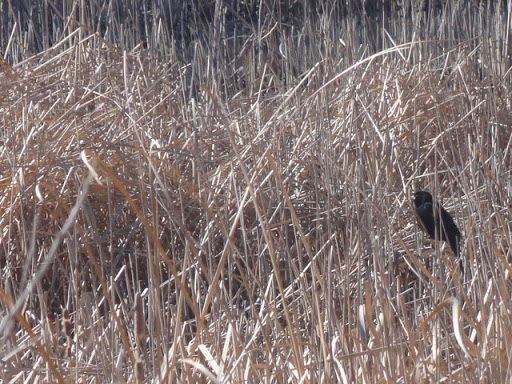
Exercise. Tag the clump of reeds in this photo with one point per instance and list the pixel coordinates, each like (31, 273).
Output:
(221, 194)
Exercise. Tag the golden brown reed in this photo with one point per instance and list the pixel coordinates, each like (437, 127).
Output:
(239, 211)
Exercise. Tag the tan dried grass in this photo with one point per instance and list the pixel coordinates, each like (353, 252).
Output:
(255, 235)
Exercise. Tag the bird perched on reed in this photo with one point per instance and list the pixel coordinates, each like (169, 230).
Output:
(436, 220)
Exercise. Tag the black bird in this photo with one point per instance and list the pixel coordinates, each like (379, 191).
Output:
(429, 220)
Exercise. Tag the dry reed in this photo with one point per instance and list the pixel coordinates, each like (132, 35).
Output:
(219, 192)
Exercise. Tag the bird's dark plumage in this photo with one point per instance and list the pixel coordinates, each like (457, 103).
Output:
(436, 220)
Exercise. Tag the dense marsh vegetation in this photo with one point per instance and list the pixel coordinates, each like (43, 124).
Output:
(218, 191)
